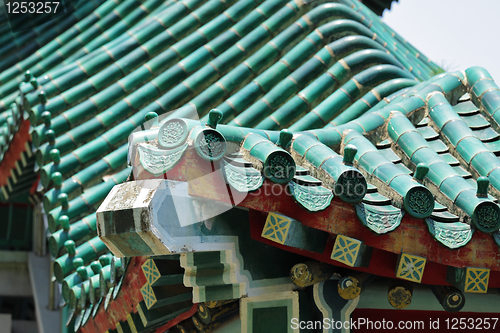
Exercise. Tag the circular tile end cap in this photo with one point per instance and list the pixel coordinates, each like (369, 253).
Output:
(172, 133)
(486, 217)
(351, 186)
(279, 167)
(210, 144)
(419, 202)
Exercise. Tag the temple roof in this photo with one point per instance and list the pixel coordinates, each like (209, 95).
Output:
(322, 99)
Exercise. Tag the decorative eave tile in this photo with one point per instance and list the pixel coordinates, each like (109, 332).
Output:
(312, 198)
(242, 179)
(380, 219)
(158, 161)
(452, 235)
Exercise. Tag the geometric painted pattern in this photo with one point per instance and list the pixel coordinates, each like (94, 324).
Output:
(346, 250)
(476, 280)
(150, 271)
(276, 228)
(411, 267)
(148, 295)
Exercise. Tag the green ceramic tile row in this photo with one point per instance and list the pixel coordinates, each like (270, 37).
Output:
(231, 133)
(298, 79)
(417, 200)
(14, 40)
(75, 278)
(200, 57)
(467, 145)
(43, 34)
(157, 65)
(240, 100)
(432, 66)
(485, 91)
(77, 230)
(131, 81)
(83, 68)
(64, 68)
(483, 212)
(17, 72)
(113, 24)
(93, 48)
(369, 100)
(60, 25)
(135, 50)
(256, 62)
(87, 251)
(309, 96)
(122, 130)
(347, 94)
(104, 280)
(346, 181)
(414, 99)
(277, 164)
(109, 163)
(412, 61)
(78, 294)
(90, 197)
(319, 88)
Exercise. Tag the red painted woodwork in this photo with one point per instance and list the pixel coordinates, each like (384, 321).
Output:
(13, 154)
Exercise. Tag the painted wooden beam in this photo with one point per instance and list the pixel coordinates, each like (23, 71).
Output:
(156, 297)
(153, 317)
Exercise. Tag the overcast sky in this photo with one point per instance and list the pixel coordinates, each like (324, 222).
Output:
(455, 34)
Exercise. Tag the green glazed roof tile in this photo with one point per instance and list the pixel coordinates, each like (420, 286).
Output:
(423, 122)
(376, 199)
(476, 121)
(438, 146)
(384, 144)
(390, 155)
(444, 216)
(493, 146)
(450, 159)
(486, 135)
(428, 133)
(438, 207)
(462, 172)
(269, 65)
(466, 108)
(371, 188)
(306, 180)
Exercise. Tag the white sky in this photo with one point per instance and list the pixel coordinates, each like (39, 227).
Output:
(455, 34)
